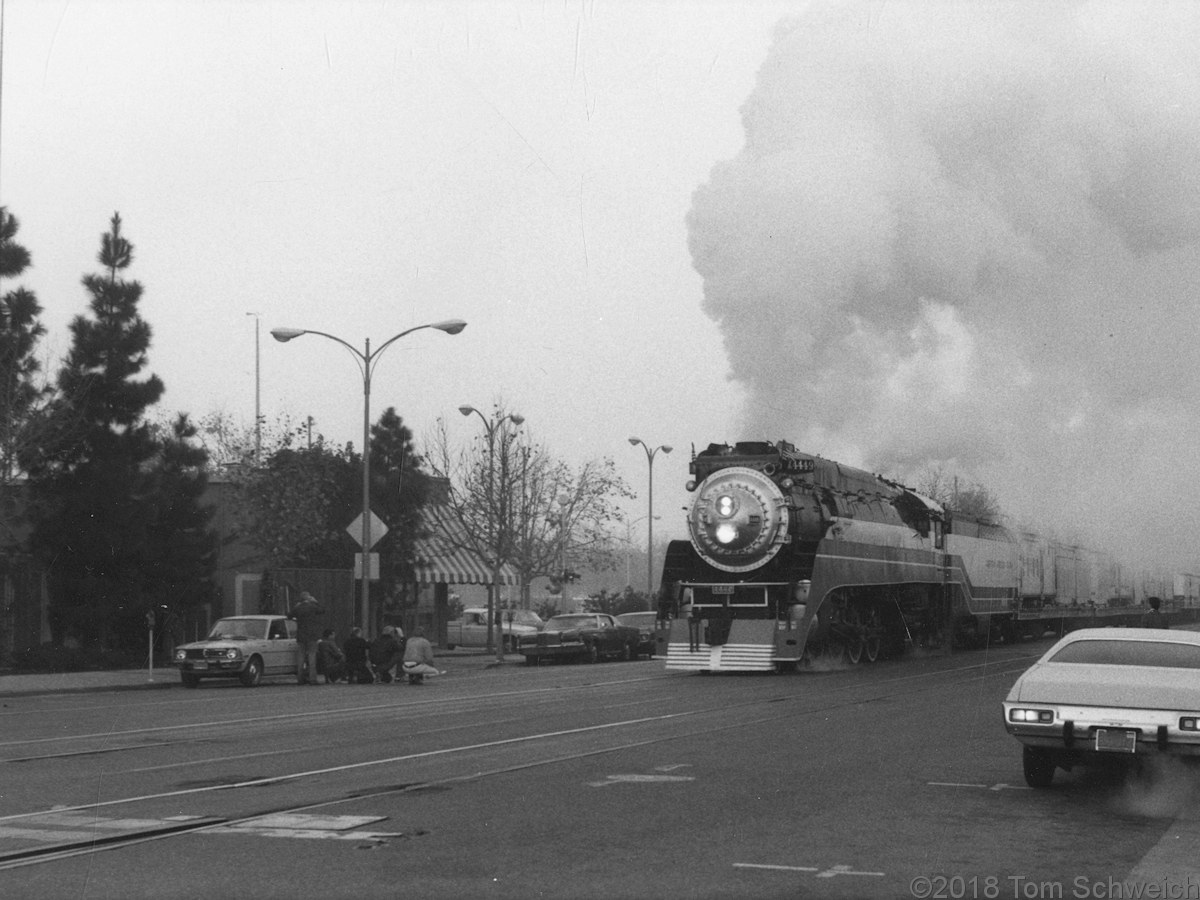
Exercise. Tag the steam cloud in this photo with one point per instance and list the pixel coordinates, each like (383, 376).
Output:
(968, 235)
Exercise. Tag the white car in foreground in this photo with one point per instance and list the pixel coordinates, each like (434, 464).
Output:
(1107, 695)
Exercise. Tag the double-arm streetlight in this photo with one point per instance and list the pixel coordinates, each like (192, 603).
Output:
(498, 516)
(650, 513)
(366, 360)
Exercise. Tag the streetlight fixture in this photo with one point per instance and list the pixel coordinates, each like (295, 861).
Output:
(367, 360)
(650, 513)
(497, 514)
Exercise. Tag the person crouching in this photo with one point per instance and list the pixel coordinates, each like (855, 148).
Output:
(418, 658)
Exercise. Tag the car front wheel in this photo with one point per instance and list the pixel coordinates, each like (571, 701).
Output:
(252, 674)
(1039, 767)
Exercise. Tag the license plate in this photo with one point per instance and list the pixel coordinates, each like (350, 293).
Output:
(1116, 740)
(199, 665)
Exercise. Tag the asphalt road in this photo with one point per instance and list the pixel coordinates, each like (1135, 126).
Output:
(614, 780)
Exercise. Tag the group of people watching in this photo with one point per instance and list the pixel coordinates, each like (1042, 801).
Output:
(390, 657)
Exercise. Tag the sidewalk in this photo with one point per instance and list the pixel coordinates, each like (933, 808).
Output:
(19, 684)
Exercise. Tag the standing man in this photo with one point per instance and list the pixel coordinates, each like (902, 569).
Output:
(1153, 618)
(307, 614)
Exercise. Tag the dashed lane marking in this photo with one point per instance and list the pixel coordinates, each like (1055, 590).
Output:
(1000, 786)
(639, 779)
(831, 872)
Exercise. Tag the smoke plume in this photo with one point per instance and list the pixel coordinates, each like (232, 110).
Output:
(968, 235)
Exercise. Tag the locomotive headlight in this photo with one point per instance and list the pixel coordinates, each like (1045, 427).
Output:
(726, 533)
(739, 520)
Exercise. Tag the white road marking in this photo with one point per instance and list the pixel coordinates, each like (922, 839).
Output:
(831, 872)
(1000, 786)
(638, 779)
(302, 820)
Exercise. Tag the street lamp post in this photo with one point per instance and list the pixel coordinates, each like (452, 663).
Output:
(497, 516)
(650, 513)
(366, 360)
(257, 392)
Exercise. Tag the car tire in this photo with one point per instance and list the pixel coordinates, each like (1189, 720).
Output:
(1039, 767)
(189, 680)
(252, 674)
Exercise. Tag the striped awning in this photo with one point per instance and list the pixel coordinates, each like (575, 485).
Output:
(444, 556)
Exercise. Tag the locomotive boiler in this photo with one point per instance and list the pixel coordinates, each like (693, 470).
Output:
(793, 556)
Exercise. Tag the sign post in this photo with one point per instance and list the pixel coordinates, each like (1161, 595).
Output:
(150, 626)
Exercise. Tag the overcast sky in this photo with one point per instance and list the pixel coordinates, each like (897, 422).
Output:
(893, 233)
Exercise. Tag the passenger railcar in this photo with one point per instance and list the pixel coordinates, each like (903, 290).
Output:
(792, 556)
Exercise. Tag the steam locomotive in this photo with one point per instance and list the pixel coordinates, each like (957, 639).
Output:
(792, 557)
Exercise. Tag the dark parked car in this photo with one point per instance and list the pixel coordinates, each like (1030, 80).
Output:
(242, 647)
(588, 636)
(645, 623)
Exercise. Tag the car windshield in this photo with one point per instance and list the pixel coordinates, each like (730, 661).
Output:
(1109, 652)
(562, 623)
(238, 630)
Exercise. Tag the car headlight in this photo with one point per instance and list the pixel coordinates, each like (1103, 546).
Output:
(233, 653)
(1022, 714)
(180, 655)
(1189, 723)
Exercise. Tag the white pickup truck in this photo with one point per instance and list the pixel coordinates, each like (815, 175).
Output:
(471, 629)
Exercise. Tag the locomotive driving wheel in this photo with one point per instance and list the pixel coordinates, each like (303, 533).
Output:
(862, 633)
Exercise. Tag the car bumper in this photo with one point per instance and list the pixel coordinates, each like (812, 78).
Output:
(559, 650)
(211, 668)
(1097, 732)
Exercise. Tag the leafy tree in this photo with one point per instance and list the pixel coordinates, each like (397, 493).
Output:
(538, 514)
(295, 506)
(482, 489)
(103, 513)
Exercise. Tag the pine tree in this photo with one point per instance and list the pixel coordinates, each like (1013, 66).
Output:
(399, 488)
(21, 394)
(97, 495)
(182, 548)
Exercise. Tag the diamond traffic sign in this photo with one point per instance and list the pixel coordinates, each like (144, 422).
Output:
(378, 529)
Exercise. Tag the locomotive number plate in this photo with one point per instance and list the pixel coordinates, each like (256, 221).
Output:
(722, 588)
(1116, 740)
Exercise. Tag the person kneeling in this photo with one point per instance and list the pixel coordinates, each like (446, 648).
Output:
(418, 658)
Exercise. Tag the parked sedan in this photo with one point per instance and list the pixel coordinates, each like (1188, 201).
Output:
(470, 630)
(242, 647)
(588, 636)
(1107, 695)
(645, 623)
